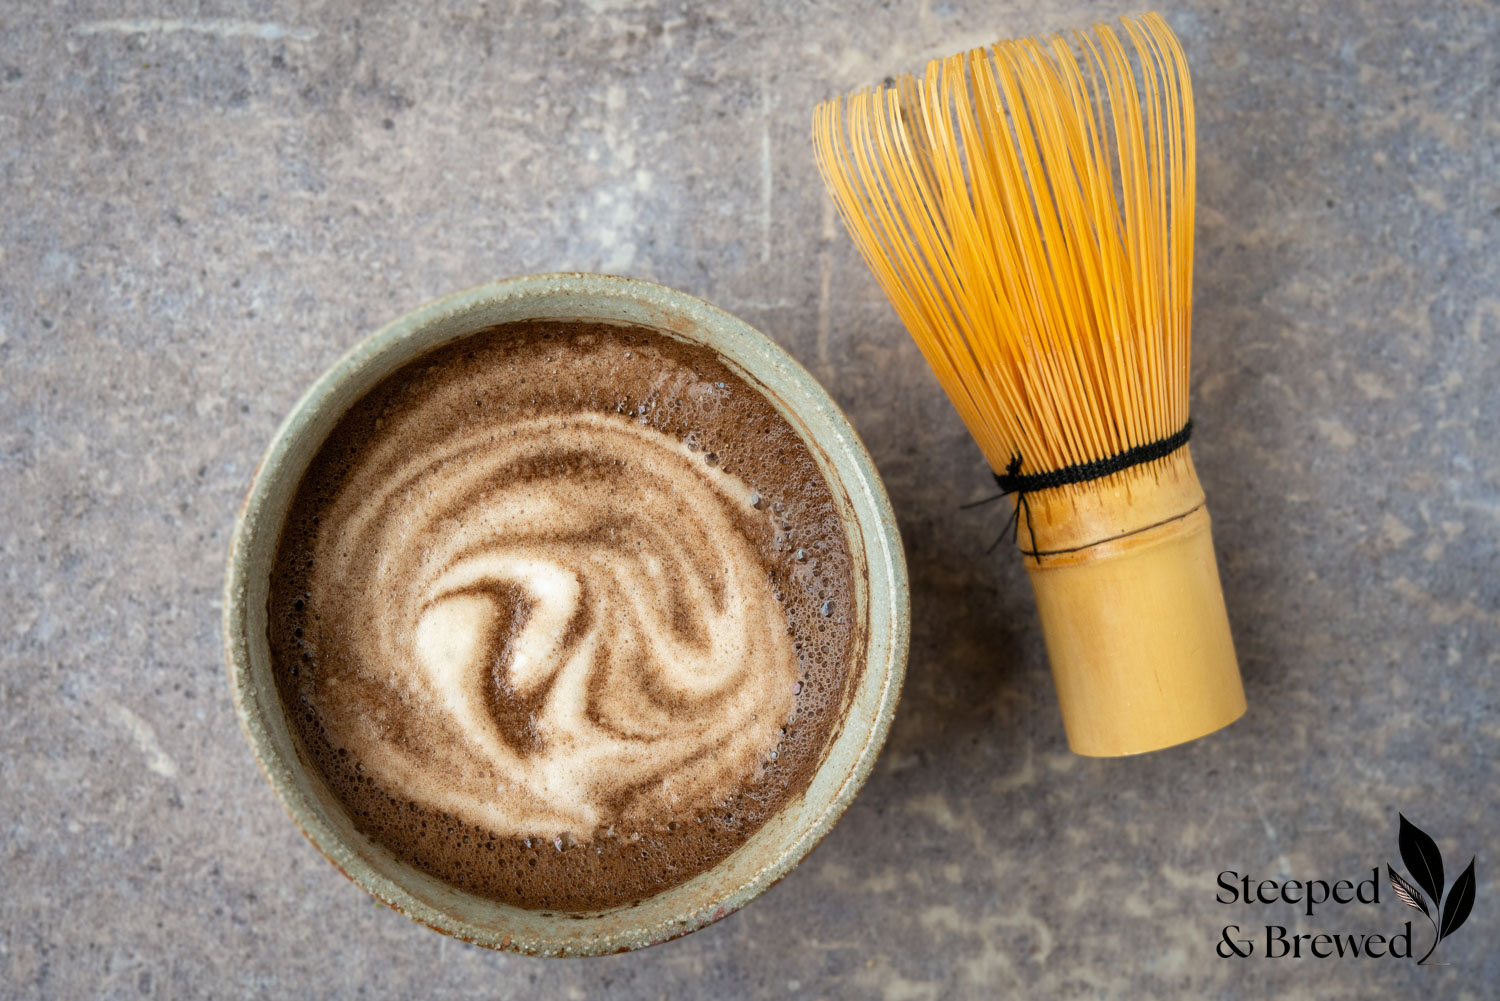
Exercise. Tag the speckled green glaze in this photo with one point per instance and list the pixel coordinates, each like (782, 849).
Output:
(788, 837)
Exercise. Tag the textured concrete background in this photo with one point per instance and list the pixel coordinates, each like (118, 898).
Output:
(203, 205)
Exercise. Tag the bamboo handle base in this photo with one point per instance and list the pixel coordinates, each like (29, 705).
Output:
(1135, 625)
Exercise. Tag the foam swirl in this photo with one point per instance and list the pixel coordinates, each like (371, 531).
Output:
(550, 625)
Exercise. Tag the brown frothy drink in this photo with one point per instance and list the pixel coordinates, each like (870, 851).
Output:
(563, 613)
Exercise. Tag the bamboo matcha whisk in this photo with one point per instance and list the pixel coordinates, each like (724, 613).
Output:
(1028, 209)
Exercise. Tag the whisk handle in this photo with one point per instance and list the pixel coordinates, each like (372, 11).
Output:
(1139, 639)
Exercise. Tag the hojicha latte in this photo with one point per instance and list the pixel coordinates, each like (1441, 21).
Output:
(561, 612)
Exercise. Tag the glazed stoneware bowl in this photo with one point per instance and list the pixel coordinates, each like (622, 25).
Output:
(881, 601)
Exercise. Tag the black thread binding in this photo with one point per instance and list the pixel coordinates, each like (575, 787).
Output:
(1013, 481)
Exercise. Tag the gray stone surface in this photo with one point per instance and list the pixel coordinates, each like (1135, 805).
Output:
(204, 204)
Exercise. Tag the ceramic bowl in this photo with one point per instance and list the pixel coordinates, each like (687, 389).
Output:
(881, 603)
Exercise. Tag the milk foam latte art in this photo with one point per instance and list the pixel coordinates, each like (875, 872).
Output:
(626, 620)
(563, 613)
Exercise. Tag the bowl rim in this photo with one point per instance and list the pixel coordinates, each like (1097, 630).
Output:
(857, 471)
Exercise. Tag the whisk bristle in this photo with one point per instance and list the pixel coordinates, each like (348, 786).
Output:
(1028, 209)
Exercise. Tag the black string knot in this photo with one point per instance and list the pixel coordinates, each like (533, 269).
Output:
(1013, 481)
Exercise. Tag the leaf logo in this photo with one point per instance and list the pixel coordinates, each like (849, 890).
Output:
(1425, 863)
